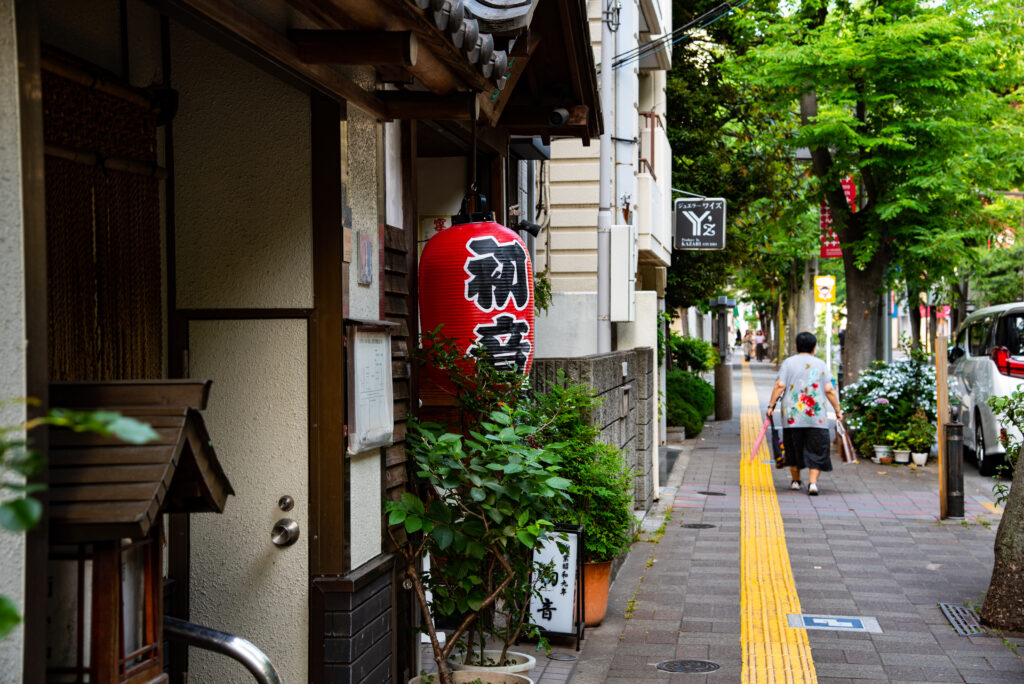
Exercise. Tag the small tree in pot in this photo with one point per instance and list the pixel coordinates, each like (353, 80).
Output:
(487, 499)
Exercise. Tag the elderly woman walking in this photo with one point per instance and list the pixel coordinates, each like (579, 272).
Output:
(748, 344)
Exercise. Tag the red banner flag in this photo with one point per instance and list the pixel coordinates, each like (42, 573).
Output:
(829, 240)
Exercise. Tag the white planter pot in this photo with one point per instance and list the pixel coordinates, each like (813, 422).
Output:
(465, 676)
(881, 450)
(901, 456)
(919, 457)
(522, 663)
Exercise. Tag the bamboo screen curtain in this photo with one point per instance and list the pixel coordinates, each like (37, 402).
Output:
(103, 235)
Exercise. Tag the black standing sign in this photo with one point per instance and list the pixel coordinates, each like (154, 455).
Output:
(699, 223)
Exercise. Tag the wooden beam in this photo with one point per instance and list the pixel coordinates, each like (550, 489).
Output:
(372, 48)
(264, 40)
(408, 105)
(519, 63)
(438, 42)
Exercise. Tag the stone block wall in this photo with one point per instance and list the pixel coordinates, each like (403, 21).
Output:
(624, 380)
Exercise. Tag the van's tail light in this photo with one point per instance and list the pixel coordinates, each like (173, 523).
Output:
(1006, 365)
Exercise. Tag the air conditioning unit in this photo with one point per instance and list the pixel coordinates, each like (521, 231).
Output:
(624, 258)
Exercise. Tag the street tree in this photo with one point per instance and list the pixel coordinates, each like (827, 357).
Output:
(912, 98)
(725, 144)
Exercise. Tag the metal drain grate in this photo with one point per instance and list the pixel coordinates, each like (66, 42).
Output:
(561, 656)
(712, 493)
(698, 526)
(964, 620)
(688, 666)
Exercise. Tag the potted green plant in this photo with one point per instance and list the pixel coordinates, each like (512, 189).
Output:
(602, 486)
(484, 502)
(900, 446)
(920, 435)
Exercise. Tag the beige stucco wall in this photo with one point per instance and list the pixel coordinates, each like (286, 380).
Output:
(363, 137)
(257, 418)
(243, 167)
(12, 314)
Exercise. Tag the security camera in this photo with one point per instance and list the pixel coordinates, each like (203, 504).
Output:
(530, 227)
(558, 116)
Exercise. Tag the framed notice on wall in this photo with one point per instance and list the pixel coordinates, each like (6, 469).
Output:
(558, 609)
(371, 414)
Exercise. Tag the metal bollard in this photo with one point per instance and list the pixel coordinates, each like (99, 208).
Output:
(723, 391)
(955, 471)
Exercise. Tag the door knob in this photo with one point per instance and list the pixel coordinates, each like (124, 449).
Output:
(285, 532)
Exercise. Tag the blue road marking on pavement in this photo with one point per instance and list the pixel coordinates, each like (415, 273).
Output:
(844, 623)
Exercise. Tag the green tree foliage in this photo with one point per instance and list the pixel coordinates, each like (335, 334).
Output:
(726, 143)
(916, 101)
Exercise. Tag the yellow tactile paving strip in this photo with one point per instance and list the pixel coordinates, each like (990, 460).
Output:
(772, 651)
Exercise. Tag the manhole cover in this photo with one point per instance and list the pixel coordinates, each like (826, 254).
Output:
(560, 656)
(690, 666)
(698, 526)
(712, 493)
(964, 620)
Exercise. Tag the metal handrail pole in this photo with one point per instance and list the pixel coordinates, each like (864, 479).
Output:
(237, 648)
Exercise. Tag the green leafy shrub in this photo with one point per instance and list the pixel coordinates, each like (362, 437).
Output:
(690, 400)
(886, 397)
(693, 353)
(602, 481)
(1009, 411)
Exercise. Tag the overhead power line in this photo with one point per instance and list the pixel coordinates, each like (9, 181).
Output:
(647, 49)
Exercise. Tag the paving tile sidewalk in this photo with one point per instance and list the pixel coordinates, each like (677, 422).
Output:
(870, 545)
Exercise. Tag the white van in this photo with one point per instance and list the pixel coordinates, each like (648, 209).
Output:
(986, 360)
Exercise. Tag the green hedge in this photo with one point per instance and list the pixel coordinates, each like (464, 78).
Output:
(690, 399)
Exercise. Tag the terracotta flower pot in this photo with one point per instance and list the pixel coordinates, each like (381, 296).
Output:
(596, 582)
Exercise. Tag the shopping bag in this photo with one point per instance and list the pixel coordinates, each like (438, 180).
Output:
(760, 438)
(847, 454)
(778, 448)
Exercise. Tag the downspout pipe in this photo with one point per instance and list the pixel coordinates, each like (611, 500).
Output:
(604, 212)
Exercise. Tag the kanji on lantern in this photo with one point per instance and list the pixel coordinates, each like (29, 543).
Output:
(497, 273)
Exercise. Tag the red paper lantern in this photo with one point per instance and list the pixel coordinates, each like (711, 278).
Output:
(476, 281)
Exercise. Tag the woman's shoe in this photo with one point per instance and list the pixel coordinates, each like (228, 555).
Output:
(795, 485)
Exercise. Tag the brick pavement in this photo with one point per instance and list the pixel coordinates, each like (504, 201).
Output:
(869, 545)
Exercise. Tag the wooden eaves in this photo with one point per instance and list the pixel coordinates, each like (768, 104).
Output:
(102, 488)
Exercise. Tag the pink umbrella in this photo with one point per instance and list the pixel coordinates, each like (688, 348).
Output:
(760, 438)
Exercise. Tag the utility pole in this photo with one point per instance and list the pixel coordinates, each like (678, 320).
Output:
(604, 212)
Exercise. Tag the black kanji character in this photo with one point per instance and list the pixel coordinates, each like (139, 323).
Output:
(547, 610)
(497, 272)
(505, 342)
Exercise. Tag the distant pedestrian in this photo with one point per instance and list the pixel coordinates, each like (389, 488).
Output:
(759, 339)
(804, 382)
(748, 344)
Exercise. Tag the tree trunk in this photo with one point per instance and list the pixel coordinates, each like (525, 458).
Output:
(862, 305)
(933, 327)
(805, 311)
(1004, 602)
(790, 306)
(914, 309)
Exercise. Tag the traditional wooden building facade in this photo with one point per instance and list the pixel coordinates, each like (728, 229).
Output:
(235, 192)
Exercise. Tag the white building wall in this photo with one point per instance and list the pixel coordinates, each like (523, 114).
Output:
(12, 316)
(568, 248)
(243, 166)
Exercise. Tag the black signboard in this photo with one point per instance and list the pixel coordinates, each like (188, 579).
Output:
(699, 223)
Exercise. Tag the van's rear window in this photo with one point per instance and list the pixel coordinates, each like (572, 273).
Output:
(1012, 332)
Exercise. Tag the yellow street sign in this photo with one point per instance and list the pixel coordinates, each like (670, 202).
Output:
(825, 289)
